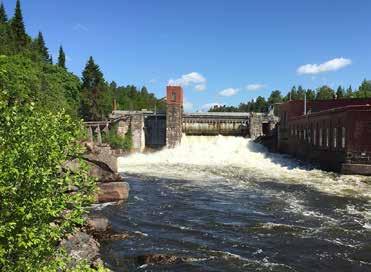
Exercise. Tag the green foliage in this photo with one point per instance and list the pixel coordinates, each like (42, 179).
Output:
(131, 98)
(325, 93)
(18, 28)
(36, 212)
(364, 90)
(3, 16)
(96, 98)
(118, 142)
(61, 58)
(51, 87)
(41, 47)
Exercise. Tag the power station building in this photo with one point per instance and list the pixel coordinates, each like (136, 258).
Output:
(334, 133)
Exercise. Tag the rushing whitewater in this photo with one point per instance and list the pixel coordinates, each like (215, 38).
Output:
(226, 204)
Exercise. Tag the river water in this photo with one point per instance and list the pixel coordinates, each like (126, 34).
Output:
(225, 204)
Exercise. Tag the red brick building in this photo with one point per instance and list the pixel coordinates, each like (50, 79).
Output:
(336, 134)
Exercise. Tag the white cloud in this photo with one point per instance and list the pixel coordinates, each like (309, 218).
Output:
(331, 65)
(200, 87)
(208, 106)
(229, 92)
(80, 27)
(255, 87)
(192, 79)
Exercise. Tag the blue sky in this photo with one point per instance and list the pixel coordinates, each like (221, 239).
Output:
(221, 51)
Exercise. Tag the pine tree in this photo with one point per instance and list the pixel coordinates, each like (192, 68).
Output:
(18, 28)
(61, 58)
(3, 16)
(41, 47)
(340, 93)
(95, 101)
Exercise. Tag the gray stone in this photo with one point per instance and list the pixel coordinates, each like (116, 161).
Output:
(98, 224)
(81, 247)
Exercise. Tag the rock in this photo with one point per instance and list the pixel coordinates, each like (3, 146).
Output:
(98, 224)
(112, 192)
(101, 171)
(159, 259)
(101, 155)
(81, 247)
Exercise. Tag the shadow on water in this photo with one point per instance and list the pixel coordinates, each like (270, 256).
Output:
(267, 226)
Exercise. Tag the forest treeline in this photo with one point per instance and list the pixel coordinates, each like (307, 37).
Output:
(28, 62)
(261, 104)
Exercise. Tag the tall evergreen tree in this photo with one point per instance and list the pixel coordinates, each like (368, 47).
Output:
(41, 47)
(340, 93)
(349, 92)
(18, 28)
(3, 16)
(61, 58)
(325, 93)
(96, 100)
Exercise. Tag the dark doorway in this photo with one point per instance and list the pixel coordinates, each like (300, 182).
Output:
(155, 131)
(265, 127)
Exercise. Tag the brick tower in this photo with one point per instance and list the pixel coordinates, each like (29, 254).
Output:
(174, 112)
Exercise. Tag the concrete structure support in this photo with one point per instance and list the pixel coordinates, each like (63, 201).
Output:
(174, 115)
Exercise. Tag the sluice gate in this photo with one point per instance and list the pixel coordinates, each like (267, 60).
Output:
(214, 123)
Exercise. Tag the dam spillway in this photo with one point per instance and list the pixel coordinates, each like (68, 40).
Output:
(213, 123)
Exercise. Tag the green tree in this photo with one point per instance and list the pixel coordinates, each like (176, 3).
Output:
(18, 28)
(340, 93)
(61, 58)
(275, 97)
(349, 92)
(3, 16)
(325, 93)
(36, 212)
(300, 93)
(311, 95)
(41, 47)
(364, 91)
(50, 87)
(96, 100)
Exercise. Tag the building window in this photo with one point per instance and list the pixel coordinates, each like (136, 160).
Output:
(320, 137)
(173, 96)
(343, 137)
(314, 137)
(305, 134)
(327, 137)
(309, 135)
(335, 136)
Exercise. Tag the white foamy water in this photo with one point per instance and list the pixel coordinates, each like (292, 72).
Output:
(202, 159)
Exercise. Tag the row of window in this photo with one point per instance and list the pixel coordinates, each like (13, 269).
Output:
(321, 137)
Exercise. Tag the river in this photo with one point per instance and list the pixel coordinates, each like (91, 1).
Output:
(225, 204)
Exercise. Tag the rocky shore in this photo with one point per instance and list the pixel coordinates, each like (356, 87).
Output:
(84, 244)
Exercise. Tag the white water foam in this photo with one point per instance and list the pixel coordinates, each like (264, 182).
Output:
(203, 159)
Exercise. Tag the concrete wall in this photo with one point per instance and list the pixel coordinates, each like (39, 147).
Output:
(256, 124)
(174, 115)
(134, 121)
(173, 125)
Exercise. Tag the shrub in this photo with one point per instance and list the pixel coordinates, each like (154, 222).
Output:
(35, 210)
(118, 142)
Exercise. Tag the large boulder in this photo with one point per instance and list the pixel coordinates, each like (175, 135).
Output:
(101, 154)
(81, 247)
(112, 191)
(97, 169)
